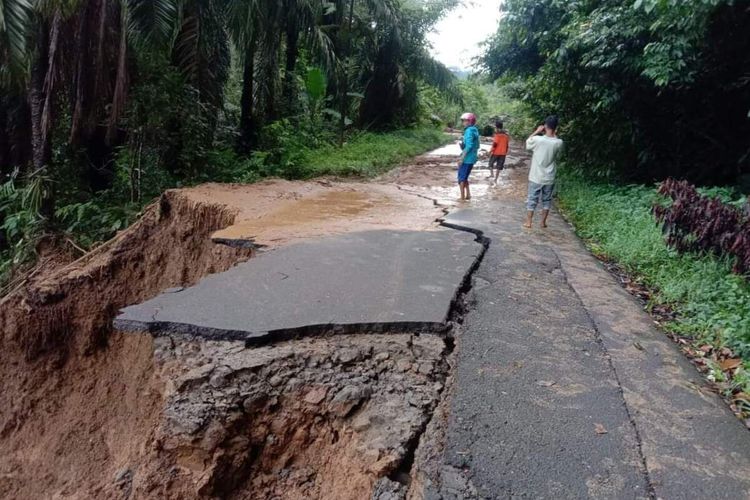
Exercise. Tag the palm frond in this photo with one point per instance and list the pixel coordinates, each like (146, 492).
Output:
(153, 21)
(436, 74)
(15, 16)
(201, 49)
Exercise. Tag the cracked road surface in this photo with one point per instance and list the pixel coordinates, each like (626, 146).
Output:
(559, 385)
(564, 389)
(359, 281)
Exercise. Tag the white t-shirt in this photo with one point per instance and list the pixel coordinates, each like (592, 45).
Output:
(543, 162)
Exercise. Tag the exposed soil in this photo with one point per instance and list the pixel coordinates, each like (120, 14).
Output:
(87, 412)
(78, 400)
(277, 212)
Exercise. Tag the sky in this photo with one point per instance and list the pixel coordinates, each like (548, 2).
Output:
(457, 37)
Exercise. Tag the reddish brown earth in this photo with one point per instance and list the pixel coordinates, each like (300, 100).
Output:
(86, 412)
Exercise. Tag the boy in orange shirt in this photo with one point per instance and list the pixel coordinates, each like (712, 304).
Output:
(499, 150)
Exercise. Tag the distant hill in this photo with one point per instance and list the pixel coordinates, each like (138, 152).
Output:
(461, 74)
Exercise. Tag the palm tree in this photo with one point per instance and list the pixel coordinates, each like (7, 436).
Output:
(15, 17)
(399, 63)
(260, 30)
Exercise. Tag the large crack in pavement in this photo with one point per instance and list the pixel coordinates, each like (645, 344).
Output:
(357, 394)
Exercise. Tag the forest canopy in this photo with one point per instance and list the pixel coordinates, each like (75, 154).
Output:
(106, 103)
(646, 89)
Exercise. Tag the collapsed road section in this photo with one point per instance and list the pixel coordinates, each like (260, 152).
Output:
(302, 373)
(374, 281)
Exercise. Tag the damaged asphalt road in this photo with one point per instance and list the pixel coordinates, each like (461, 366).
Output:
(374, 281)
(550, 399)
(544, 395)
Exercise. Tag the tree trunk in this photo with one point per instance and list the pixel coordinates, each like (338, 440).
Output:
(120, 94)
(345, 77)
(41, 151)
(4, 138)
(292, 52)
(248, 125)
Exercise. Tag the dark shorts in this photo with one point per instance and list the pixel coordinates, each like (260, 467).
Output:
(497, 162)
(463, 172)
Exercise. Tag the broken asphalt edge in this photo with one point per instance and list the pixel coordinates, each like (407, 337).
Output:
(255, 339)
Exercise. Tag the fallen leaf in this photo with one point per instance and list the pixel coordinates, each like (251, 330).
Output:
(545, 383)
(599, 429)
(706, 348)
(726, 352)
(730, 364)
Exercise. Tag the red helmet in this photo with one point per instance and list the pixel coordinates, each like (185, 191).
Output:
(470, 117)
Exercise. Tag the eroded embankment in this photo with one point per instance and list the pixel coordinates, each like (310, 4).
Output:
(86, 412)
(313, 418)
(75, 398)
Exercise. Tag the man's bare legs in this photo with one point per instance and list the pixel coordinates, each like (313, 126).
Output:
(545, 213)
(465, 191)
(529, 218)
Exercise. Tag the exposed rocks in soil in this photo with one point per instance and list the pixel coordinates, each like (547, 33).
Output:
(88, 413)
(314, 418)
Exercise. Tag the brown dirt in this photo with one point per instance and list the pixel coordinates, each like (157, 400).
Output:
(88, 413)
(67, 431)
(77, 399)
(277, 212)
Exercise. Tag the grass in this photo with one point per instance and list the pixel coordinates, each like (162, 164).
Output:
(370, 154)
(98, 218)
(713, 304)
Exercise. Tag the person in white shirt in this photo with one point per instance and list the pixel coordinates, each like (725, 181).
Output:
(546, 148)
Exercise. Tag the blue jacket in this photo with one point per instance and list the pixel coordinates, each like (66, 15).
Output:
(471, 144)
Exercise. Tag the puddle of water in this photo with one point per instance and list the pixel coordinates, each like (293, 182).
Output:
(330, 205)
(454, 150)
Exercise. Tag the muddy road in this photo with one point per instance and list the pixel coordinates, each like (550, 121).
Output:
(350, 340)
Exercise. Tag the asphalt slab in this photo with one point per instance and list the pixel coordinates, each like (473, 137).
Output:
(375, 280)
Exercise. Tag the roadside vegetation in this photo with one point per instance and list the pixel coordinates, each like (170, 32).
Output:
(696, 296)
(105, 104)
(649, 91)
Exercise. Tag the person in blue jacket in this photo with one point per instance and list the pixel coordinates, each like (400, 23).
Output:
(469, 152)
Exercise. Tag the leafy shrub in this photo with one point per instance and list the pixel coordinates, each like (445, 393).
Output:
(20, 227)
(713, 303)
(694, 222)
(95, 220)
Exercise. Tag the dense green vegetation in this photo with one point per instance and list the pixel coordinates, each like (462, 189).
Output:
(712, 303)
(645, 89)
(105, 103)
(365, 154)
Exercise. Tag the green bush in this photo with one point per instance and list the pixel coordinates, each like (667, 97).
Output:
(713, 304)
(369, 154)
